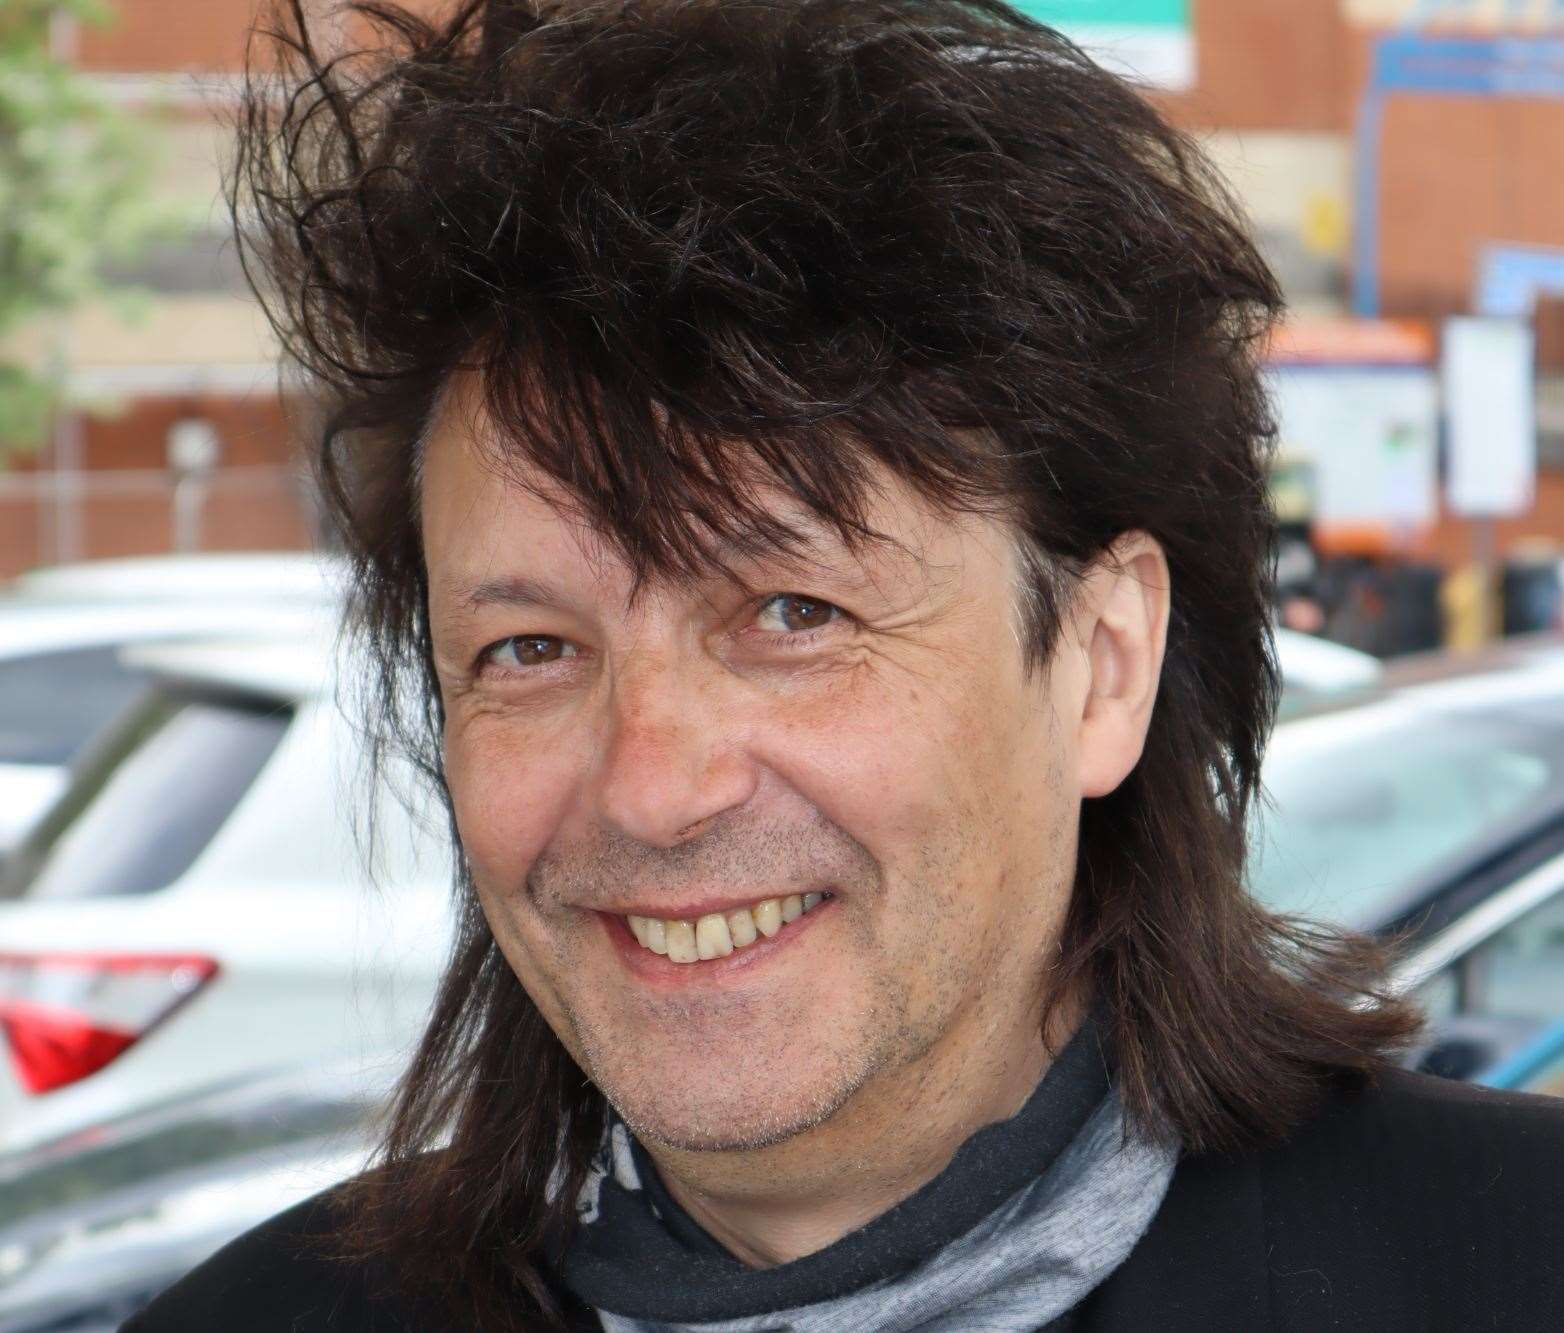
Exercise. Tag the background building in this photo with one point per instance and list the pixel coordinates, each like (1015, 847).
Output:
(182, 442)
(1369, 199)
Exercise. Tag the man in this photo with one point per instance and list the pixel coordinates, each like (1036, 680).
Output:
(805, 465)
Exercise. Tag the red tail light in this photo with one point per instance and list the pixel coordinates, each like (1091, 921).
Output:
(66, 1015)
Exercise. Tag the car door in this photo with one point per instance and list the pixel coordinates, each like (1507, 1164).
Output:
(1493, 979)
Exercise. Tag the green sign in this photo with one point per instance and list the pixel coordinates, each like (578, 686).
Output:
(1141, 13)
(1149, 40)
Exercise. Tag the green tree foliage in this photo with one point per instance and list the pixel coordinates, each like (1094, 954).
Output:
(75, 196)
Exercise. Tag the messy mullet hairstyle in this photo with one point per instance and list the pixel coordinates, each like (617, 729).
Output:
(679, 238)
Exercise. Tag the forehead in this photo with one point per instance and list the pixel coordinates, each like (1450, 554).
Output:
(480, 513)
(486, 509)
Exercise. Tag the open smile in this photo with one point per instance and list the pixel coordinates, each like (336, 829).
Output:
(735, 935)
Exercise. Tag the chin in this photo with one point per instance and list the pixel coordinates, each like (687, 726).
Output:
(694, 1110)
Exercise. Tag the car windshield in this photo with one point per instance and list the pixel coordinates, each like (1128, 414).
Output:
(51, 704)
(147, 798)
(1369, 800)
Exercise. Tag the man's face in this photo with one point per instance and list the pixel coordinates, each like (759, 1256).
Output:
(863, 729)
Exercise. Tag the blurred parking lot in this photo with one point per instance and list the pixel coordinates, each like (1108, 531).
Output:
(218, 942)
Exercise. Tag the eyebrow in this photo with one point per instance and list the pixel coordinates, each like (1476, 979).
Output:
(523, 590)
(822, 553)
(512, 590)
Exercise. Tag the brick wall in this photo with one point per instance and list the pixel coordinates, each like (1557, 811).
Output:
(1453, 541)
(1455, 174)
(162, 36)
(204, 36)
(254, 500)
(1267, 65)
(1458, 174)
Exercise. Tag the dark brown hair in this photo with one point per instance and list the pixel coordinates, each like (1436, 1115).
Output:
(679, 237)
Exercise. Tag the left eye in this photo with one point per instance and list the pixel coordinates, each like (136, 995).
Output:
(528, 650)
(790, 613)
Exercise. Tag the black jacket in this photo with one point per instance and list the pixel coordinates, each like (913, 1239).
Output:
(1412, 1206)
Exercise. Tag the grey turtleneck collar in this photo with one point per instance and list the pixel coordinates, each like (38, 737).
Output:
(1029, 1216)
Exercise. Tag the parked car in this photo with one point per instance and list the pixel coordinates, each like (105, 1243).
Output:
(198, 903)
(110, 1215)
(61, 676)
(1431, 811)
(1315, 671)
(1537, 1067)
(251, 576)
(62, 679)
(96, 1224)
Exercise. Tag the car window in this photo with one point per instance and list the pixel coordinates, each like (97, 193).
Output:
(344, 828)
(51, 704)
(1440, 996)
(1357, 818)
(146, 800)
(1518, 972)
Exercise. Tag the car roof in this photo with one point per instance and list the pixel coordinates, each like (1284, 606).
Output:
(1521, 682)
(1314, 664)
(1511, 674)
(1519, 653)
(294, 667)
(30, 627)
(362, 1078)
(277, 575)
(130, 1203)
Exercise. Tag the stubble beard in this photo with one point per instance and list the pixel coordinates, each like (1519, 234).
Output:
(771, 1106)
(659, 1101)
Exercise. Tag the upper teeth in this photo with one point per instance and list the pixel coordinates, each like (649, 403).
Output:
(719, 933)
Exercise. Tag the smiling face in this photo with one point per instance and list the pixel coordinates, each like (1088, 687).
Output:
(861, 728)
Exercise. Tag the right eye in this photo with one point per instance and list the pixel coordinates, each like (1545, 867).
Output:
(523, 651)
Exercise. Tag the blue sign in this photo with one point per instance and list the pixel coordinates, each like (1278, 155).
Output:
(1510, 278)
(1470, 66)
(1410, 63)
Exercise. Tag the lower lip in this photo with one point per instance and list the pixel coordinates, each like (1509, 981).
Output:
(655, 969)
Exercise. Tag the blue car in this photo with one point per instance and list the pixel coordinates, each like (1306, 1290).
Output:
(1538, 1067)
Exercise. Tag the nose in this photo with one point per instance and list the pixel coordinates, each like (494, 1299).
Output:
(673, 761)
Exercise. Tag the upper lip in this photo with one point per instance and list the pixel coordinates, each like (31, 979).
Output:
(691, 908)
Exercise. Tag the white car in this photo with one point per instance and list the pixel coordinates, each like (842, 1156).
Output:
(198, 903)
(94, 1226)
(108, 1219)
(252, 576)
(1431, 812)
(1317, 667)
(61, 677)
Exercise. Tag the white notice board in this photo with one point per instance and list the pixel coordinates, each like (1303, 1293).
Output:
(1371, 433)
(1490, 409)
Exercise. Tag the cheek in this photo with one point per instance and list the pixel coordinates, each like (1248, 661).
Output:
(955, 786)
(509, 786)
(899, 765)
(508, 793)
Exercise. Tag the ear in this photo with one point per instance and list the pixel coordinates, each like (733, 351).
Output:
(1121, 619)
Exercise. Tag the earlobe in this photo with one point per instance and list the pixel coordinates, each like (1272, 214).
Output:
(1129, 600)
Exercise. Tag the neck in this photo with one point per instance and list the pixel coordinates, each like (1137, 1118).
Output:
(773, 1205)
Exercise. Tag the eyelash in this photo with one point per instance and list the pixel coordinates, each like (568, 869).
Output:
(792, 639)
